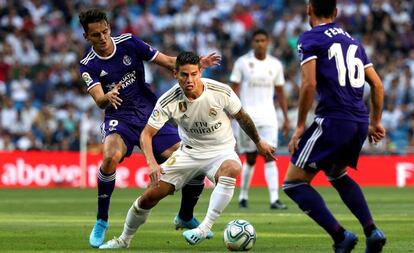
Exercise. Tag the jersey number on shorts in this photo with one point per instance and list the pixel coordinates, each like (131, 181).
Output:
(352, 64)
(112, 124)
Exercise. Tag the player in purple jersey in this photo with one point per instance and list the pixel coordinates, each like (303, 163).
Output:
(113, 70)
(335, 67)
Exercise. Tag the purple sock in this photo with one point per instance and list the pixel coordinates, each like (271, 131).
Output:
(106, 185)
(351, 194)
(310, 202)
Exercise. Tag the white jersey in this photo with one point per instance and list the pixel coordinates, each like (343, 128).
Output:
(257, 79)
(203, 125)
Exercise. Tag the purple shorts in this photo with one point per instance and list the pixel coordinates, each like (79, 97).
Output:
(330, 144)
(130, 132)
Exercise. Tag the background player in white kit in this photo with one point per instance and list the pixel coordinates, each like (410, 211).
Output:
(199, 106)
(255, 77)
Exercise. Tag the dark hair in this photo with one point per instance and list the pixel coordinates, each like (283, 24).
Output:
(323, 8)
(187, 58)
(260, 31)
(91, 16)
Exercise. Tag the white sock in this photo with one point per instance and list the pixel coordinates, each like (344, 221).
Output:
(136, 217)
(272, 179)
(246, 178)
(219, 199)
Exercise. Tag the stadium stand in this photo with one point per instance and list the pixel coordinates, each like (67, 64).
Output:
(44, 104)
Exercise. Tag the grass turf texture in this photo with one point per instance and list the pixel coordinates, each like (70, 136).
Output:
(60, 220)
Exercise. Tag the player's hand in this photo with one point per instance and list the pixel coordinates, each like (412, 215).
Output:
(294, 141)
(210, 60)
(376, 132)
(113, 96)
(155, 172)
(266, 150)
(285, 127)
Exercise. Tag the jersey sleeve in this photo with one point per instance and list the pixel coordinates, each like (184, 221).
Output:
(364, 58)
(89, 77)
(159, 116)
(280, 76)
(306, 50)
(234, 105)
(236, 73)
(144, 51)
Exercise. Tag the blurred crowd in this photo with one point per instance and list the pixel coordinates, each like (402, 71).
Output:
(44, 104)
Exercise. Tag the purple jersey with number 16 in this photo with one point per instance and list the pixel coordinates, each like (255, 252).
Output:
(340, 71)
(125, 65)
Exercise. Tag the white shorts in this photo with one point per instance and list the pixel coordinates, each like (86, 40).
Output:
(267, 133)
(180, 168)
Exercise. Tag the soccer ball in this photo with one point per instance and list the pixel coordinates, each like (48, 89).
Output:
(239, 235)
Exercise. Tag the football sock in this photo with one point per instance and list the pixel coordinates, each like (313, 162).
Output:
(189, 197)
(136, 217)
(311, 203)
(246, 177)
(353, 197)
(272, 179)
(106, 185)
(220, 198)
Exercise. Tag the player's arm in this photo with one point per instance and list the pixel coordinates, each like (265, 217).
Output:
(169, 62)
(281, 99)
(247, 124)
(103, 100)
(376, 130)
(146, 146)
(236, 88)
(306, 96)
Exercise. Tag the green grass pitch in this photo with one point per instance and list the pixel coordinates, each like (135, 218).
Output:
(59, 220)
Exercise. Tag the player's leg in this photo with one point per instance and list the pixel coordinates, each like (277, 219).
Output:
(138, 214)
(317, 149)
(165, 143)
(297, 187)
(114, 149)
(229, 168)
(246, 178)
(247, 147)
(270, 134)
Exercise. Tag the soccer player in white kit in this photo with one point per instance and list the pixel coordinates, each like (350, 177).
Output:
(255, 77)
(200, 107)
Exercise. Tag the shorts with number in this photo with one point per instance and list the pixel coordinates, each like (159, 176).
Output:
(130, 132)
(330, 144)
(267, 133)
(181, 167)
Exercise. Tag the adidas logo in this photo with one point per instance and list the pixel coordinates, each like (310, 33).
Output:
(103, 73)
(185, 116)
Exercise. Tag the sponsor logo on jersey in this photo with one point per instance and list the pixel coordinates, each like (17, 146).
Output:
(182, 106)
(126, 60)
(212, 112)
(103, 73)
(87, 78)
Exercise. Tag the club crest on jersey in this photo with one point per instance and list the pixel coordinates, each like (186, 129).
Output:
(155, 114)
(171, 161)
(87, 78)
(126, 60)
(212, 112)
(251, 65)
(182, 106)
(300, 51)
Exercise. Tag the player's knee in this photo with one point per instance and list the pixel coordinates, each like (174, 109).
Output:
(229, 169)
(110, 161)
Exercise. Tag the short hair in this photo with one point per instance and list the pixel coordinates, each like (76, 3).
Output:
(187, 58)
(91, 16)
(323, 8)
(260, 31)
